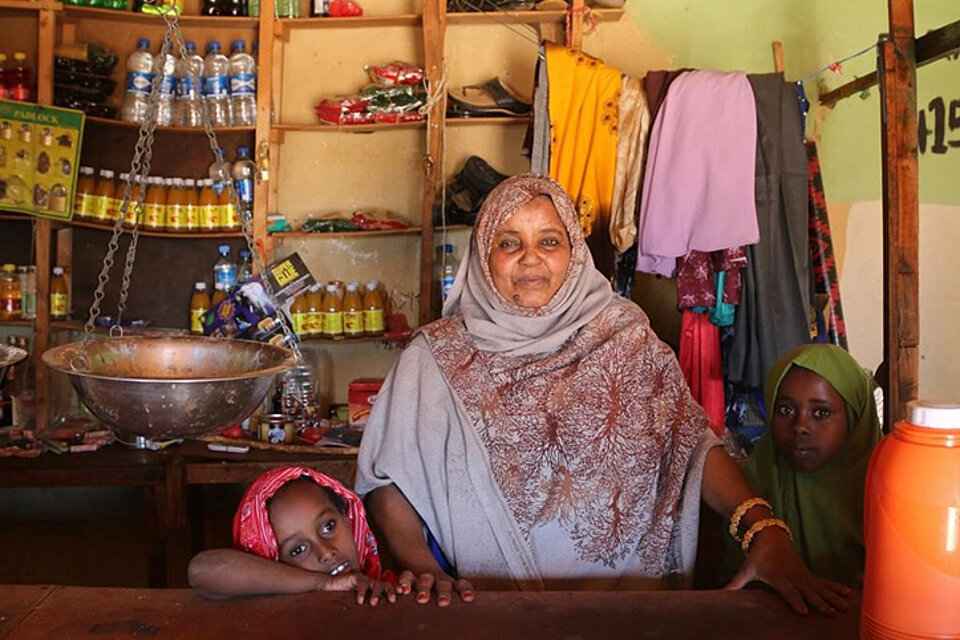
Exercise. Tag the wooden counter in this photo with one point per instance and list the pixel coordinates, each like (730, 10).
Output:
(79, 612)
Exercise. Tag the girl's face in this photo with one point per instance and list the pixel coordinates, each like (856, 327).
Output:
(312, 533)
(808, 421)
(530, 254)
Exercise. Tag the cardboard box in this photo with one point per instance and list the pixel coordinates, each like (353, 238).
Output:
(362, 394)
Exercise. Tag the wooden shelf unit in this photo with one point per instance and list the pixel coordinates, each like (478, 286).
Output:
(123, 124)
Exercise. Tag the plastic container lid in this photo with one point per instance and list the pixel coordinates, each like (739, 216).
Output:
(9, 267)
(238, 45)
(933, 414)
(224, 249)
(19, 55)
(213, 45)
(190, 45)
(448, 248)
(3, 57)
(143, 43)
(243, 150)
(58, 271)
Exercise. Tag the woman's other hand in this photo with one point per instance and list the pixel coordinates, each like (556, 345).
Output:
(427, 582)
(773, 561)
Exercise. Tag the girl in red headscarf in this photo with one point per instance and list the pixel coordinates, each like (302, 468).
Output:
(295, 530)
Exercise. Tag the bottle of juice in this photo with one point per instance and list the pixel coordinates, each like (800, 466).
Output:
(10, 295)
(353, 311)
(331, 313)
(83, 199)
(155, 205)
(373, 310)
(228, 212)
(300, 315)
(130, 215)
(177, 207)
(341, 289)
(315, 319)
(209, 208)
(104, 195)
(192, 207)
(199, 305)
(219, 293)
(59, 295)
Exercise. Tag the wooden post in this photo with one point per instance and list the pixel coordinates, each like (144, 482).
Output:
(901, 212)
(778, 65)
(434, 29)
(265, 82)
(576, 9)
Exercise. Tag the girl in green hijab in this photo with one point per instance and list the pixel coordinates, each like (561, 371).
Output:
(812, 461)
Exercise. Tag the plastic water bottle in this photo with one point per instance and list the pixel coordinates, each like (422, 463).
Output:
(225, 269)
(139, 81)
(219, 172)
(166, 69)
(245, 274)
(448, 271)
(243, 85)
(216, 85)
(189, 100)
(243, 170)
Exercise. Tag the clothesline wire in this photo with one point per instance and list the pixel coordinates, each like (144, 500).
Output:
(833, 65)
(504, 23)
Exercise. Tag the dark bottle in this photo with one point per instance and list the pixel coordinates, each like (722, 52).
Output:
(236, 8)
(211, 8)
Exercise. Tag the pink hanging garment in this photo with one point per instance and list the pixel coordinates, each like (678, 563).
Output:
(698, 189)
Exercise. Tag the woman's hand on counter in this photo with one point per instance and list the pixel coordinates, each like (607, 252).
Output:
(427, 582)
(377, 589)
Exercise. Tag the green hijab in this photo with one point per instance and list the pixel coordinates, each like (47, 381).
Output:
(823, 508)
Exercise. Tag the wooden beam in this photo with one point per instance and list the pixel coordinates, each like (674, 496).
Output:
(261, 188)
(575, 32)
(778, 64)
(434, 29)
(901, 212)
(930, 47)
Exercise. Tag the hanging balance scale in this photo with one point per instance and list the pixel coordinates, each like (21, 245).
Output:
(158, 387)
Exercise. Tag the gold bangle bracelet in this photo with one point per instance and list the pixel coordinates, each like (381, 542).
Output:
(741, 511)
(760, 526)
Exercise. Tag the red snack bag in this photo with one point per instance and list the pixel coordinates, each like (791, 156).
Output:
(396, 73)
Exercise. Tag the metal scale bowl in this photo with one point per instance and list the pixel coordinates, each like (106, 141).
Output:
(9, 356)
(160, 387)
(172, 387)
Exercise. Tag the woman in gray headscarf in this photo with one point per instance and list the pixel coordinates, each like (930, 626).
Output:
(545, 437)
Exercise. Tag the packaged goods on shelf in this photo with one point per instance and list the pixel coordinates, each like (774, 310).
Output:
(396, 97)
(370, 219)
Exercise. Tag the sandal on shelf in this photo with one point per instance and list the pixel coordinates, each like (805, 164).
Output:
(484, 6)
(492, 98)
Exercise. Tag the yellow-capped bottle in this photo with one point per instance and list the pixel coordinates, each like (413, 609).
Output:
(130, 215)
(228, 212)
(199, 305)
(84, 199)
(219, 293)
(209, 208)
(177, 207)
(353, 311)
(373, 324)
(103, 210)
(59, 295)
(192, 222)
(331, 313)
(300, 316)
(314, 302)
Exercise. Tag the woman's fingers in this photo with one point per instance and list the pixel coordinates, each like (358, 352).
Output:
(836, 594)
(466, 590)
(405, 582)
(424, 586)
(742, 579)
(390, 591)
(362, 586)
(791, 594)
(444, 591)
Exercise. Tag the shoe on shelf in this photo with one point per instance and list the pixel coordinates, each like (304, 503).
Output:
(492, 98)
(467, 190)
(488, 6)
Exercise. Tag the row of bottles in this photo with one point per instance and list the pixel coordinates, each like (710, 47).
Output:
(340, 311)
(227, 86)
(181, 205)
(118, 5)
(236, 8)
(18, 293)
(15, 78)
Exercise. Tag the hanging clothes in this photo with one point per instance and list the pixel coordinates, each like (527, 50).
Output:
(584, 98)
(774, 312)
(696, 277)
(631, 141)
(700, 362)
(698, 189)
(540, 127)
(821, 251)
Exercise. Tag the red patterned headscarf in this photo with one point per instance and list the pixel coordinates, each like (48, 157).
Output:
(251, 523)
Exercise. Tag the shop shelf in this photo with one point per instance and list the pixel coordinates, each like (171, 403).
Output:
(280, 235)
(526, 17)
(157, 234)
(497, 120)
(16, 323)
(284, 25)
(14, 216)
(31, 5)
(349, 128)
(77, 326)
(136, 125)
(90, 13)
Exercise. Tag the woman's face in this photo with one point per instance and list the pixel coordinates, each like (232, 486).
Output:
(311, 531)
(530, 254)
(809, 421)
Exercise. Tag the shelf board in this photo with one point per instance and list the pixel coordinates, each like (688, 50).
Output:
(16, 323)
(346, 340)
(31, 5)
(526, 17)
(361, 234)
(284, 25)
(349, 128)
(16, 217)
(496, 120)
(136, 125)
(156, 234)
(90, 13)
